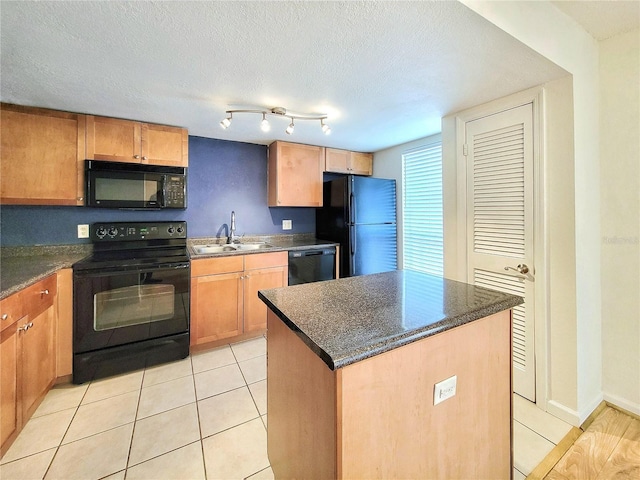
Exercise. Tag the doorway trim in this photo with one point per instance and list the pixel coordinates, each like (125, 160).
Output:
(534, 96)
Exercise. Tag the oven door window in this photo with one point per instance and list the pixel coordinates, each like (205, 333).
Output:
(133, 305)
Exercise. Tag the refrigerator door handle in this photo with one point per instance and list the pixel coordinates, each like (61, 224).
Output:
(352, 209)
(352, 242)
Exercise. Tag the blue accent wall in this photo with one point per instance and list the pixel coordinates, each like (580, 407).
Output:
(222, 176)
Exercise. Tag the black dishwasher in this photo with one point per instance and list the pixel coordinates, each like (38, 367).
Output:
(312, 265)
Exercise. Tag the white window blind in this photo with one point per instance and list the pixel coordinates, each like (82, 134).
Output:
(422, 209)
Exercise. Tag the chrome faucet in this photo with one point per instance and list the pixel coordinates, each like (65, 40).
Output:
(232, 229)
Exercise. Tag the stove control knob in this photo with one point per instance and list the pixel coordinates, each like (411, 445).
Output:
(171, 230)
(101, 232)
(113, 231)
(180, 230)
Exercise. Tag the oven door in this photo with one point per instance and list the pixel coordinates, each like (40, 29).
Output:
(121, 306)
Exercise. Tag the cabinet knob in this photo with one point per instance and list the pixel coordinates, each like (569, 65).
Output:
(80, 199)
(145, 158)
(136, 156)
(44, 292)
(5, 316)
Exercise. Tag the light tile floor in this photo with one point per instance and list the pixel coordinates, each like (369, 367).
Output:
(202, 417)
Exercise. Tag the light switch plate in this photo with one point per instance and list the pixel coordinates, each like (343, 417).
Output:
(83, 231)
(444, 389)
(286, 224)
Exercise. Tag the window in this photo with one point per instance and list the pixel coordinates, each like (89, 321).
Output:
(422, 209)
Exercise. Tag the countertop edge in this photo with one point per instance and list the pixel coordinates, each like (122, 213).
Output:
(391, 343)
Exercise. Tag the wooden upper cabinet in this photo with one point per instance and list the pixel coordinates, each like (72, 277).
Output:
(295, 175)
(117, 140)
(163, 145)
(42, 156)
(113, 139)
(344, 161)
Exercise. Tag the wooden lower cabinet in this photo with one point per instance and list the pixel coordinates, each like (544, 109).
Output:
(376, 418)
(9, 414)
(224, 294)
(27, 354)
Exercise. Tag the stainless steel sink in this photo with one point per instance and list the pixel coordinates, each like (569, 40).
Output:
(208, 249)
(252, 246)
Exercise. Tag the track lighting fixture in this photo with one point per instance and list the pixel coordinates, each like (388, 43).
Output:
(227, 121)
(326, 129)
(278, 112)
(290, 128)
(264, 124)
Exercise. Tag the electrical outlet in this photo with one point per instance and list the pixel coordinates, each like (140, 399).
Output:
(286, 224)
(444, 389)
(83, 231)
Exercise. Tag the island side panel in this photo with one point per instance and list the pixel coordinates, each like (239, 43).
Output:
(301, 405)
(389, 427)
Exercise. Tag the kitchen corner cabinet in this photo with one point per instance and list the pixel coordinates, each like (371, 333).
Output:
(344, 161)
(114, 139)
(27, 354)
(224, 294)
(295, 175)
(42, 156)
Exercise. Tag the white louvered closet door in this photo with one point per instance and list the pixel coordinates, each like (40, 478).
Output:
(499, 151)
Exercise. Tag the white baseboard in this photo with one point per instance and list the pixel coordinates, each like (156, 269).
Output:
(622, 403)
(563, 413)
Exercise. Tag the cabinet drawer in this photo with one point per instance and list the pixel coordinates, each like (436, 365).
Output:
(212, 266)
(40, 296)
(266, 260)
(10, 310)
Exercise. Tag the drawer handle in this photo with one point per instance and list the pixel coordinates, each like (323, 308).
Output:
(44, 292)
(5, 316)
(25, 327)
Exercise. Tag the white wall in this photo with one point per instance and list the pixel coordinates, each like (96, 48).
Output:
(551, 33)
(388, 164)
(620, 217)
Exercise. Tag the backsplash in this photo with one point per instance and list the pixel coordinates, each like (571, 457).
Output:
(222, 176)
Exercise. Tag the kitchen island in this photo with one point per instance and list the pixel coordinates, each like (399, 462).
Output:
(352, 368)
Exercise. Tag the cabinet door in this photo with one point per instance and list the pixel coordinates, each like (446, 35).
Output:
(163, 145)
(38, 359)
(295, 175)
(336, 161)
(42, 156)
(9, 420)
(255, 311)
(361, 163)
(216, 307)
(113, 139)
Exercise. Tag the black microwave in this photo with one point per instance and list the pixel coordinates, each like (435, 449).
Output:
(135, 185)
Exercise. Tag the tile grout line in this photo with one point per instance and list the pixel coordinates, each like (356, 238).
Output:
(133, 430)
(195, 393)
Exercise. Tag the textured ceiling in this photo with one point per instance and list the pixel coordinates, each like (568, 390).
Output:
(385, 72)
(603, 19)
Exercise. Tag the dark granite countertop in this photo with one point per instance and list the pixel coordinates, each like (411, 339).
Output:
(24, 266)
(277, 243)
(347, 320)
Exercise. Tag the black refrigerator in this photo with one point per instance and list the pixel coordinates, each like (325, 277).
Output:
(360, 214)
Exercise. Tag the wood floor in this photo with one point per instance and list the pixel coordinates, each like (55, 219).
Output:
(609, 448)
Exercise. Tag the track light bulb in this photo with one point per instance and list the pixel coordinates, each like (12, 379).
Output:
(264, 124)
(326, 129)
(227, 121)
(290, 128)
